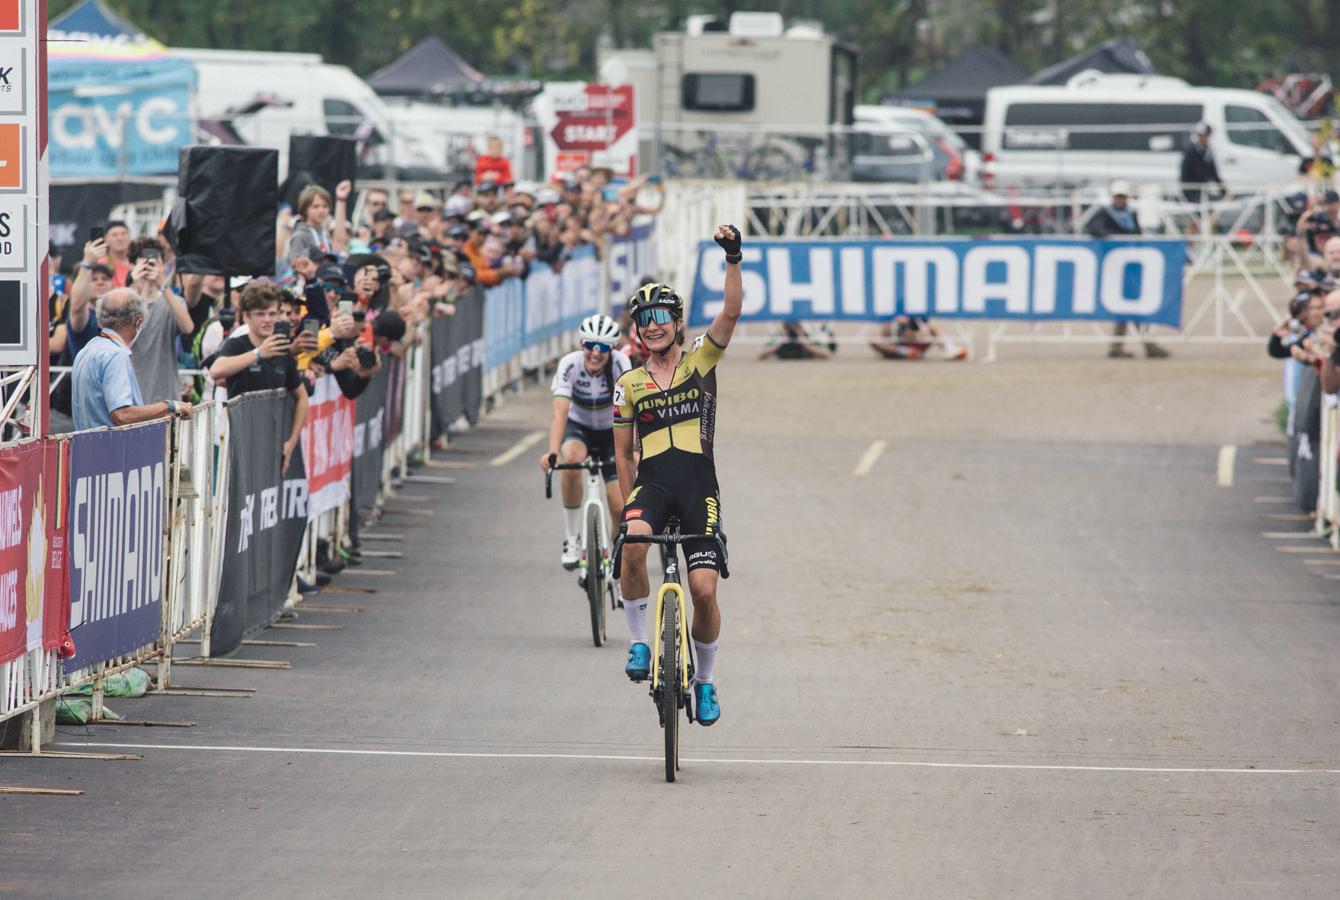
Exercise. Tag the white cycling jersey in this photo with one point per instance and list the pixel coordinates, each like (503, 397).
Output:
(591, 395)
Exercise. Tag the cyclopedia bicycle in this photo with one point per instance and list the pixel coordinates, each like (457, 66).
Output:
(594, 568)
(671, 651)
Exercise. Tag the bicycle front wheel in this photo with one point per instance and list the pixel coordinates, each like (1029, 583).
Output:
(595, 577)
(670, 686)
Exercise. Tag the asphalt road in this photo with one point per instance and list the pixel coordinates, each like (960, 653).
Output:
(1035, 650)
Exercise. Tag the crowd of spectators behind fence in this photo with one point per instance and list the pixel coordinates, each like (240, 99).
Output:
(353, 277)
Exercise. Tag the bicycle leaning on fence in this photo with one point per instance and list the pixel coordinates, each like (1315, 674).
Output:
(671, 651)
(594, 567)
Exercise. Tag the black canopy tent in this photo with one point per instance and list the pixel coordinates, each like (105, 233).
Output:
(1119, 55)
(957, 92)
(429, 67)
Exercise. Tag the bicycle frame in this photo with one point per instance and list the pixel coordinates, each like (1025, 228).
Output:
(671, 586)
(594, 495)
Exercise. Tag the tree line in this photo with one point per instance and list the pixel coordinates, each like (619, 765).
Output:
(1204, 41)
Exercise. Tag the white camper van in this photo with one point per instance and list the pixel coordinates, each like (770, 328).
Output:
(1098, 127)
(298, 93)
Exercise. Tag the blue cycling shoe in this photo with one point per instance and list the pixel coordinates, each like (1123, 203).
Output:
(639, 662)
(706, 709)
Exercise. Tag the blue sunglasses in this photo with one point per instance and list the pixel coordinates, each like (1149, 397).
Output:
(596, 347)
(658, 314)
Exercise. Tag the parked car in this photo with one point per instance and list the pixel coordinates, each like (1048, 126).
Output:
(900, 143)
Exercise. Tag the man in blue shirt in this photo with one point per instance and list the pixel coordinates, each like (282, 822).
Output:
(106, 392)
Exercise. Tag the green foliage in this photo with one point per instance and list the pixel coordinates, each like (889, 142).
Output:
(1205, 41)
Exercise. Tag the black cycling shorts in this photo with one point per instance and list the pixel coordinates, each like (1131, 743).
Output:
(698, 508)
(599, 445)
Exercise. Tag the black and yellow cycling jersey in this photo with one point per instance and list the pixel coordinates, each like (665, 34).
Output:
(682, 416)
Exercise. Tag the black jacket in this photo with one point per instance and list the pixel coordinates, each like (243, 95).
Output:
(1104, 224)
(1198, 166)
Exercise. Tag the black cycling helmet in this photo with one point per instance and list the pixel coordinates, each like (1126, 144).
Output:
(652, 295)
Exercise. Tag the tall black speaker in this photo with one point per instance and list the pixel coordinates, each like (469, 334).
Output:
(319, 159)
(223, 222)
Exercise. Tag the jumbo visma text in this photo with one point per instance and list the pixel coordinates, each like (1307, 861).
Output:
(1029, 280)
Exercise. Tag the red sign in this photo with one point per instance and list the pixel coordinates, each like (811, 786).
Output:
(55, 484)
(606, 116)
(22, 547)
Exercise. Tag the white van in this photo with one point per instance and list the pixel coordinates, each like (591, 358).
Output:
(307, 97)
(1098, 127)
(454, 135)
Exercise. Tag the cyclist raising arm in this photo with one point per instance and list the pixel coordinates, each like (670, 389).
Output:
(671, 400)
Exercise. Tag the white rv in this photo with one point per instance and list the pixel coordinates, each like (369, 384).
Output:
(298, 93)
(1099, 127)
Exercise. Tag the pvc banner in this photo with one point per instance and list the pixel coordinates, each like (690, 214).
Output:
(118, 510)
(1033, 280)
(630, 258)
(458, 354)
(327, 445)
(370, 414)
(22, 549)
(267, 518)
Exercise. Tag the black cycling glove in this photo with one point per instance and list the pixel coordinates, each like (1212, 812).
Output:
(731, 245)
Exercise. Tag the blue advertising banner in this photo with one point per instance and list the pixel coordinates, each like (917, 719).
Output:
(522, 313)
(631, 257)
(118, 118)
(118, 508)
(1027, 280)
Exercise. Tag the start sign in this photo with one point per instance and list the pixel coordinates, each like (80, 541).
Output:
(588, 124)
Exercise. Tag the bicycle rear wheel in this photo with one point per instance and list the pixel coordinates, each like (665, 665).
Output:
(670, 687)
(595, 577)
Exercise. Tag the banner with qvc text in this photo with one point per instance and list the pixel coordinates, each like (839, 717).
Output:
(118, 503)
(267, 518)
(1033, 280)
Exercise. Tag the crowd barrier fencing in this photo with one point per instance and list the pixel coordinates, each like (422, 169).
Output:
(1327, 521)
(164, 491)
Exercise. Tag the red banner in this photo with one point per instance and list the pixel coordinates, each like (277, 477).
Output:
(328, 447)
(55, 484)
(22, 548)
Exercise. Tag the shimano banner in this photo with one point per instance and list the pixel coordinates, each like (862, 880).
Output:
(267, 518)
(118, 508)
(1028, 280)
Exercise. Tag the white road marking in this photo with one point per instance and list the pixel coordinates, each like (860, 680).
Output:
(1274, 499)
(1309, 549)
(1228, 454)
(1270, 461)
(870, 457)
(892, 763)
(1282, 535)
(517, 449)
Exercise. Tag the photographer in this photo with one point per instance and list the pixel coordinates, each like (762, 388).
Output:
(794, 343)
(260, 360)
(166, 316)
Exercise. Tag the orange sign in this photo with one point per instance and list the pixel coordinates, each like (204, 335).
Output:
(11, 15)
(11, 154)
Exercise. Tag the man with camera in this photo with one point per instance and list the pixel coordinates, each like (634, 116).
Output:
(260, 359)
(165, 317)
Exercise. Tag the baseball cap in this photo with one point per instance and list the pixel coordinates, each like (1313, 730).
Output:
(382, 215)
(1330, 197)
(425, 200)
(102, 269)
(571, 184)
(502, 217)
(1121, 188)
(487, 186)
(457, 206)
(330, 273)
(547, 197)
(1203, 128)
(459, 232)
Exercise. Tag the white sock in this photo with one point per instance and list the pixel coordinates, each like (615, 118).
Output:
(572, 521)
(706, 656)
(636, 613)
(618, 592)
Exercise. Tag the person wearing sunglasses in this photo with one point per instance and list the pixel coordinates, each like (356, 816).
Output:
(671, 400)
(583, 422)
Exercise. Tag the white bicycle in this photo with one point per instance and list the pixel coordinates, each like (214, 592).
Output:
(594, 570)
